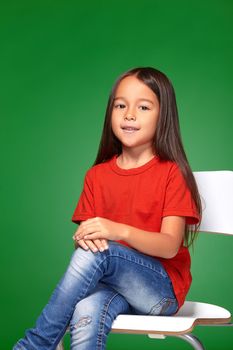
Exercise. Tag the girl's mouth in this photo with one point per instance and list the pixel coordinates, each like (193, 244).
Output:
(129, 129)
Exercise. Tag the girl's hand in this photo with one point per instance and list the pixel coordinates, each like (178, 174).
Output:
(95, 245)
(99, 228)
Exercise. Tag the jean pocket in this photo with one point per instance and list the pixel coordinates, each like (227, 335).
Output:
(166, 307)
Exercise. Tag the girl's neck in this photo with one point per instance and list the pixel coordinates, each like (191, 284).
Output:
(132, 159)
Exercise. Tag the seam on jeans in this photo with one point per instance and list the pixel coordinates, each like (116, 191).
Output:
(117, 256)
(100, 333)
(62, 333)
(149, 266)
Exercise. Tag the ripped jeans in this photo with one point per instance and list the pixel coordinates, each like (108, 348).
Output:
(96, 288)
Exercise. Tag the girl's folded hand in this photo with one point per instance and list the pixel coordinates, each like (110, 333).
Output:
(94, 245)
(99, 228)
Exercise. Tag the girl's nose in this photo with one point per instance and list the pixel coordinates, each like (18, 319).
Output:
(129, 117)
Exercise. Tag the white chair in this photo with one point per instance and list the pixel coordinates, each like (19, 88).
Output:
(216, 190)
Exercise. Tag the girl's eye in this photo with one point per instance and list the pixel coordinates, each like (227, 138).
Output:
(144, 108)
(119, 105)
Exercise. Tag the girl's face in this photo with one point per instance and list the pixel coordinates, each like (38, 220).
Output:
(135, 114)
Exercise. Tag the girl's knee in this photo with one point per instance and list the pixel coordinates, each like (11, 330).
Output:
(93, 316)
(92, 309)
(85, 307)
(84, 322)
(81, 257)
(82, 330)
(85, 260)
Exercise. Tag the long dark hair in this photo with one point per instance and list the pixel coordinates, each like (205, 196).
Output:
(167, 139)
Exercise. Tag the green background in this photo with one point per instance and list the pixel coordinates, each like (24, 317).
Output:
(59, 60)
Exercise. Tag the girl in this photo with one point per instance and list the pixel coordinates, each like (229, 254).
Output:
(137, 215)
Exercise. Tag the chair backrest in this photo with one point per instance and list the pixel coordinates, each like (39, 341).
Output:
(216, 190)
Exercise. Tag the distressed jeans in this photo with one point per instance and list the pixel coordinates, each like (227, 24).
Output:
(95, 288)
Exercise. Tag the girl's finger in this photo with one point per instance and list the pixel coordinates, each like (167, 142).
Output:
(92, 246)
(100, 245)
(104, 243)
(77, 231)
(86, 230)
(93, 236)
(82, 244)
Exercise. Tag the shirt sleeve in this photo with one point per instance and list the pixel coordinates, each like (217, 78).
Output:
(85, 206)
(178, 199)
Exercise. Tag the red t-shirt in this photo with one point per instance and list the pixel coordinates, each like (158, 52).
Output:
(141, 197)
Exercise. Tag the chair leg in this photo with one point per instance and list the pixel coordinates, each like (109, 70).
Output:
(192, 340)
(60, 346)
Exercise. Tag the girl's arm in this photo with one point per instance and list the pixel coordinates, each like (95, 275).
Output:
(164, 244)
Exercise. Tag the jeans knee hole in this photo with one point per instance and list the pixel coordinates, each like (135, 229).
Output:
(83, 322)
(164, 307)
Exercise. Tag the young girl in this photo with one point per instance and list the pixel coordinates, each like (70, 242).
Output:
(137, 215)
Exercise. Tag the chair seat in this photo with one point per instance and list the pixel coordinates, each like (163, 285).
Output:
(189, 315)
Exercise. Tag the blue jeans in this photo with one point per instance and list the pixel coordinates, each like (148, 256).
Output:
(95, 288)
